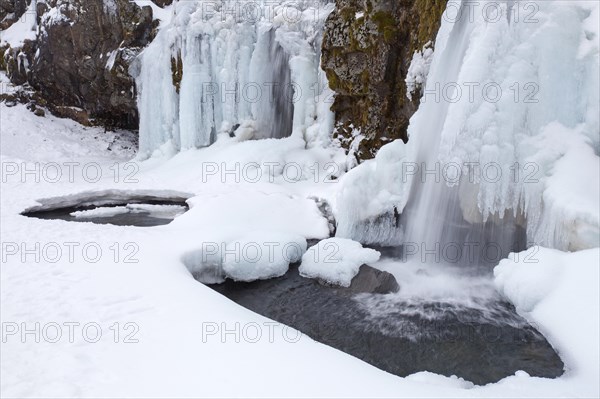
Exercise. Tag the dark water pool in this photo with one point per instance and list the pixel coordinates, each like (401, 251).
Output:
(481, 341)
(132, 212)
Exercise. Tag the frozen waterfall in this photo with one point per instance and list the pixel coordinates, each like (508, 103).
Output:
(504, 147)
(218, 67)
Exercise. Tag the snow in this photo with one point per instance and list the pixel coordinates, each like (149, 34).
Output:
(373, 189)
(256, 255)
(336, 260)
(175, 355)
(558, 291)
(110, 62)
(158, 211)
(261, 256)
(110, 7)
(189, 341)
(101, 212)
(416, 77)
(162, 14)
(55, 15)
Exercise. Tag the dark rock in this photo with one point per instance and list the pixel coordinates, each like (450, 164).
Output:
(18, 60)
(39, 112)
(81, 58)
(22, 95)
(77, 114)
(327, 212)
(368, 281)
(162, 3)
(372, 281)
(366, 60)
(11, 11)
(233, 129)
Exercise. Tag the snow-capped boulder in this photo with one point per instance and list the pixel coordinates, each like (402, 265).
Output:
(336, 261)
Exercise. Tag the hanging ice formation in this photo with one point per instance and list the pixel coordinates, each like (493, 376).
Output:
(217, 66)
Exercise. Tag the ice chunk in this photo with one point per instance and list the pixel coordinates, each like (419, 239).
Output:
(158, 211)
(372, 196)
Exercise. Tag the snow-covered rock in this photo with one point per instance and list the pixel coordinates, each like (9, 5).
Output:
(256, 255)
(336, 261)
(262, 255)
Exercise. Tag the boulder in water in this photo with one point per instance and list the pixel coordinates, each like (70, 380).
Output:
(373, 281)
(369, 280)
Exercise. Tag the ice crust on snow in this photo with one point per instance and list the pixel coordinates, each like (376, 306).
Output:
(336, 260)
(158, 211)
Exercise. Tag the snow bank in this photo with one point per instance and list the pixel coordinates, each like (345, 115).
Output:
(336, 260)
(559, 292)
(256, 255)
(262, 256)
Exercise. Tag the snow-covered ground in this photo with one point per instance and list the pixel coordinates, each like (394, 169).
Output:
(159, 332)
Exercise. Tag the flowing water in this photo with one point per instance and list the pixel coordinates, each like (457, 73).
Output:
(447, 317)
(466, 330)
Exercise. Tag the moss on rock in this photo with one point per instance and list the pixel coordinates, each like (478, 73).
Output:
(177, 71)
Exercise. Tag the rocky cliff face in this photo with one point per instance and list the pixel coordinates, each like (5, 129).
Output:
(11, 11)
(78, 64)
(367, 50)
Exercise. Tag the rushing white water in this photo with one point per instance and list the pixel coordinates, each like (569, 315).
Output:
(506, 137)
(218, 67)
(433, 201)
